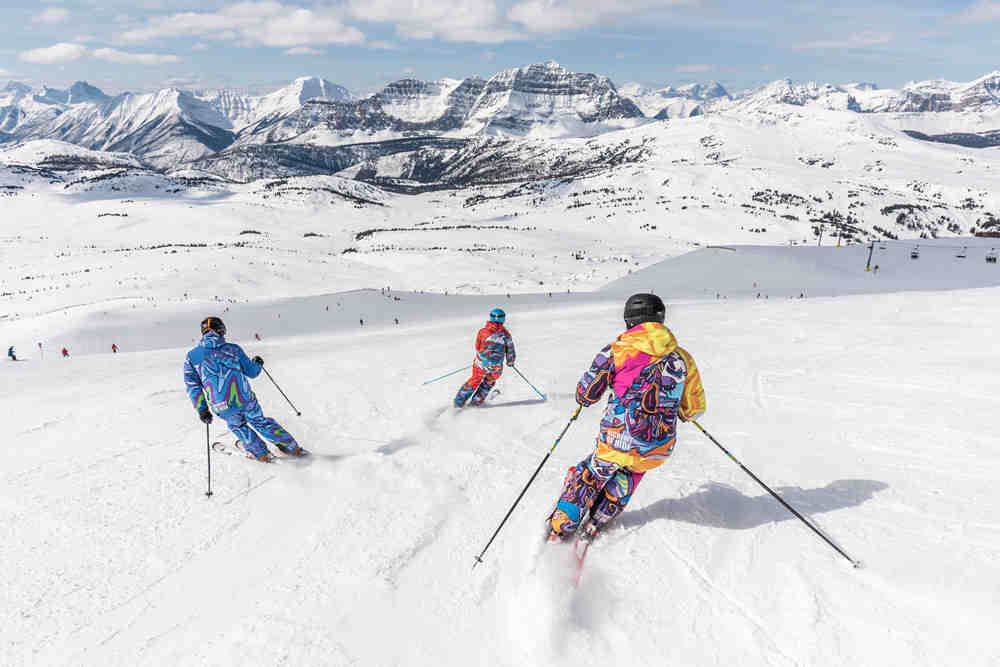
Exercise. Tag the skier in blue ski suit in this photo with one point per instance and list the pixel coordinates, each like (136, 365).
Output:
(215, 374)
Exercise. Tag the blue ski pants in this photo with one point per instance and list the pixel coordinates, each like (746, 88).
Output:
(249, 420)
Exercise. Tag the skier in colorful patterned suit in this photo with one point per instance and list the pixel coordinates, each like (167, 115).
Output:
(216, 375)
(653, 381)
(492, 344)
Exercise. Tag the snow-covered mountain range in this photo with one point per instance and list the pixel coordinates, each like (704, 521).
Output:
(981, 95)
(670, 102)
(171, 128)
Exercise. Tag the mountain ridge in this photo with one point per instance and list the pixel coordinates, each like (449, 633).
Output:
(172, 127)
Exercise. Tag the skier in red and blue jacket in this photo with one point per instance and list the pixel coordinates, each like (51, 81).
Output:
(215, 374)
(493, 344)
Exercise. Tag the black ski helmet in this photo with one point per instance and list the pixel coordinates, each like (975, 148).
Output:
(213, 323)
(644, 308)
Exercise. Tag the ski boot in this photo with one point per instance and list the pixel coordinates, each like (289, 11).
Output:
(556, 527)
(266, 457)
(289, 451)
(588, 532)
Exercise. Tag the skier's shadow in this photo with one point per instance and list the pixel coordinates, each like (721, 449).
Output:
(722, 506)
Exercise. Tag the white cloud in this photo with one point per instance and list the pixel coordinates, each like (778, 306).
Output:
(52, 15)
(859, 40)
(303, 51)
(62, 53)
(56, 54)
(253, 24)
(459, 21)
(983, 11)
(542, 16)
(123, 58)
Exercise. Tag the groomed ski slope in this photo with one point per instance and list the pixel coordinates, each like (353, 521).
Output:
(873, 414)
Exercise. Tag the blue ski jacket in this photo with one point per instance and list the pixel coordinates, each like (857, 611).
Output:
(216, 373)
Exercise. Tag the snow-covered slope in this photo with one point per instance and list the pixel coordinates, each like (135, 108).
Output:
(515, 213)
(165, 128)
(121, 558)
(670, 102)
(20, 109)
(63, 156)
(243, 109)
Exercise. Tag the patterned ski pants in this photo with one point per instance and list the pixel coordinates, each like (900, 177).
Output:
(249, 420)
(599, 487)
(478, 387)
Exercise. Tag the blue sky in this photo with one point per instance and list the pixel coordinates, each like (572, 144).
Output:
(362, 44)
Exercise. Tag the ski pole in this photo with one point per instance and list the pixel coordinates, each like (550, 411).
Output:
(463, 368)
(855, 563)
(208, 453)
(517, 370)
(479, 558)
(297, 413)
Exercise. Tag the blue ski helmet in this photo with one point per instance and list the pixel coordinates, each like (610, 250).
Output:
(497, 315)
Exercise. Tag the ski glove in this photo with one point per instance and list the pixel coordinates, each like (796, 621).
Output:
(205, 416)
(257, 360)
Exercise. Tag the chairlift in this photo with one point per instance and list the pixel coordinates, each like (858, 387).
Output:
(915, 253)
(961, 254)
(991, 256)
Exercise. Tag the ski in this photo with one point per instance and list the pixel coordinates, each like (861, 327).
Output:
(581, 545)
(231, 449)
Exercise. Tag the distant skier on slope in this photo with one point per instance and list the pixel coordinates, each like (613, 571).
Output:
(493, 343)
(10, 353)
(65, 353)
(216, 373)
(653, 381)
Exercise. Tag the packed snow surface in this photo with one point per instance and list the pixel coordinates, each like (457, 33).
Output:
(869, 413)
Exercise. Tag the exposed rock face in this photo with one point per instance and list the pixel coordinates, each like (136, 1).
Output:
(514, 102)
(546, 93)
(966, 139)
(251, 162)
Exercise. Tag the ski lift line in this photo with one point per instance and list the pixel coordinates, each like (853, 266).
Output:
(927, 246)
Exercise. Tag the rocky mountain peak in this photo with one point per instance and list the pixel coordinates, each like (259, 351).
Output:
(81, 92)
(17, 87)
